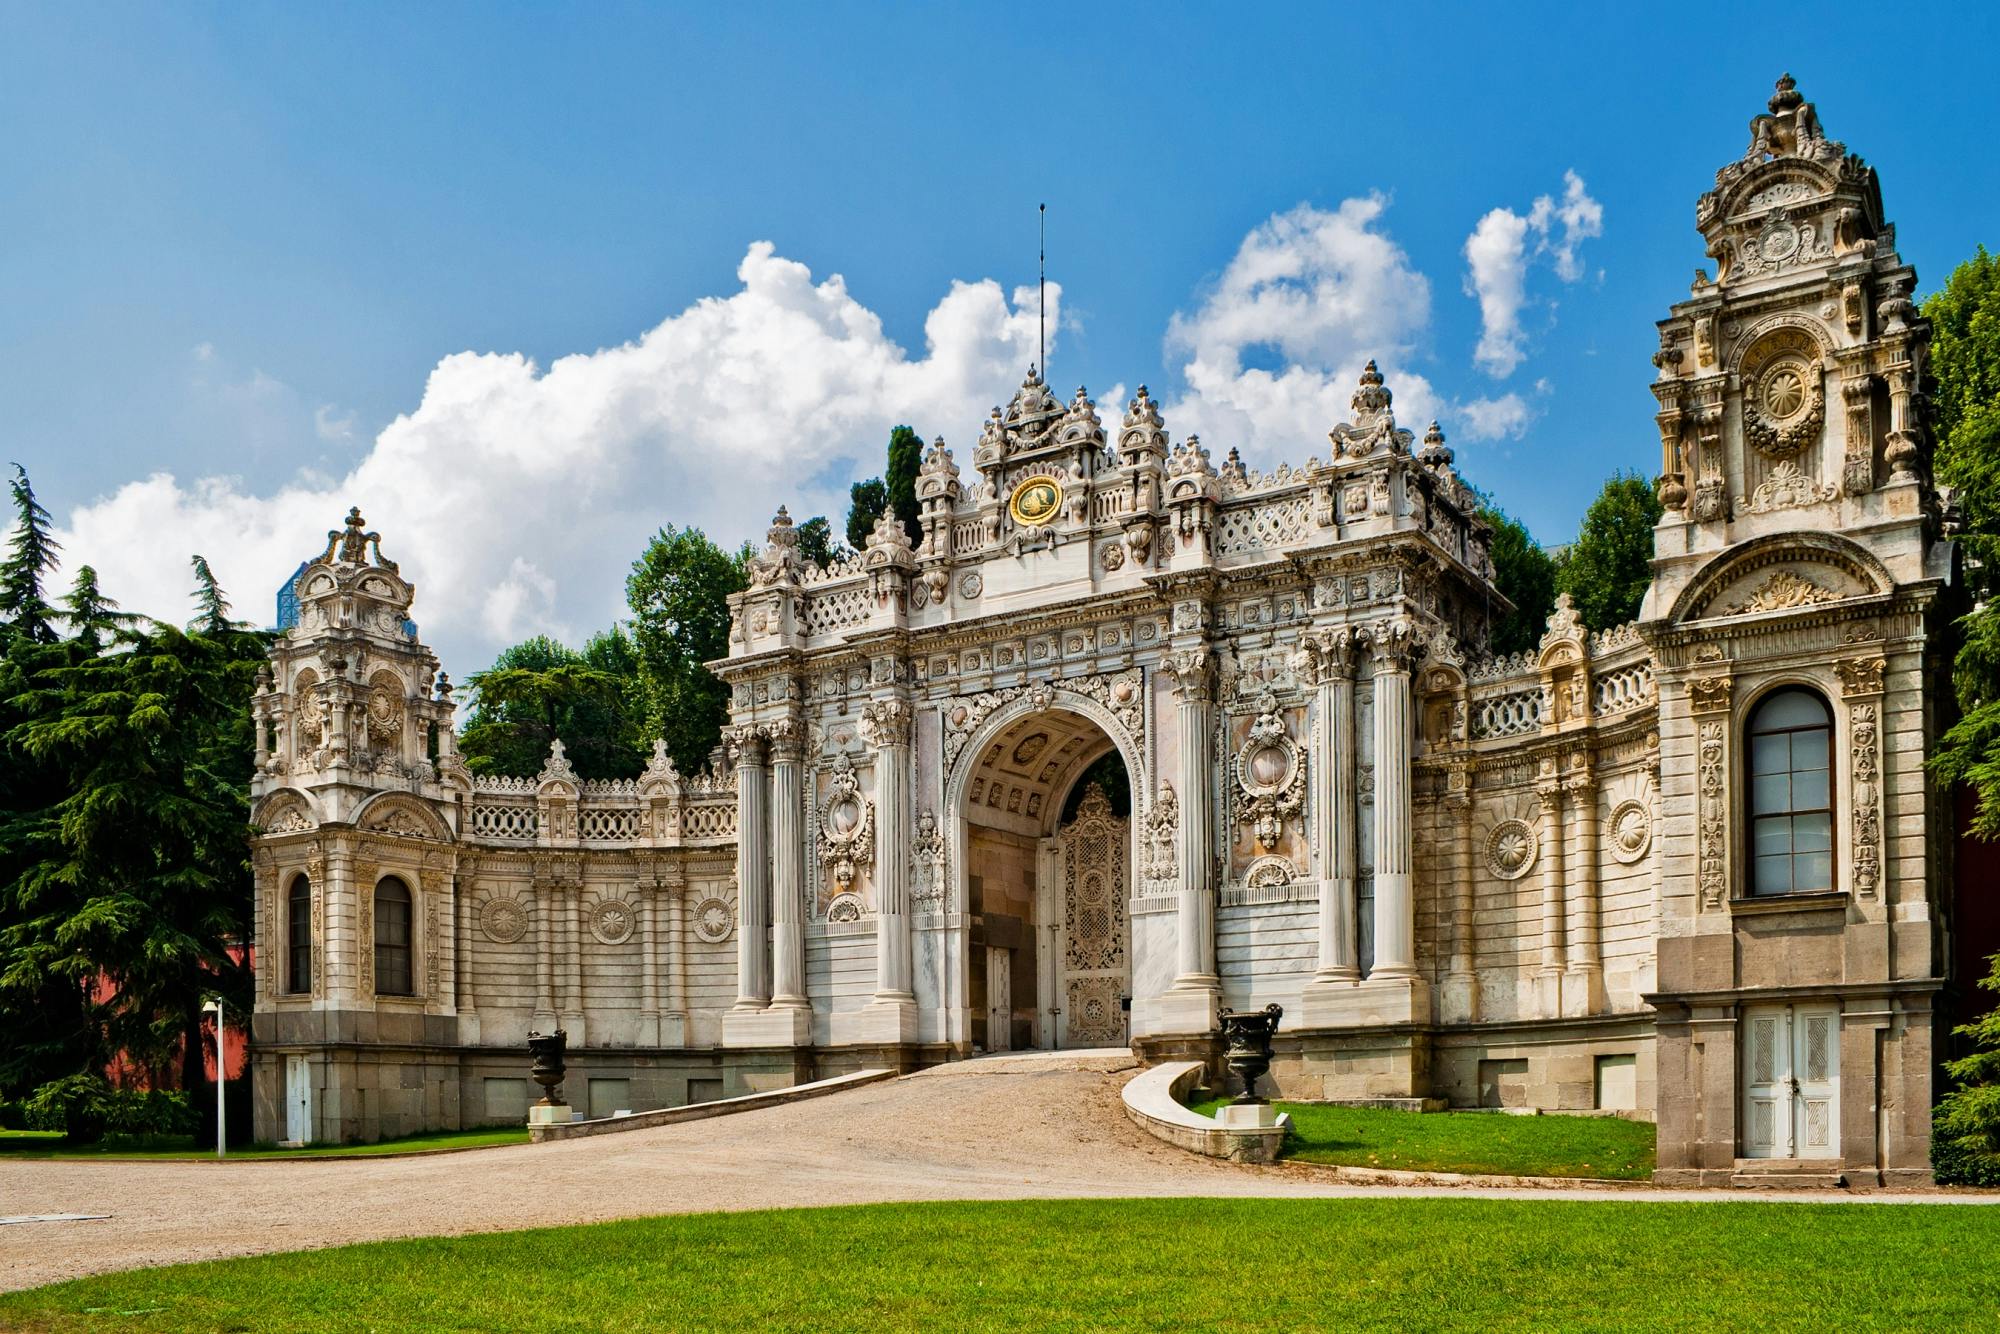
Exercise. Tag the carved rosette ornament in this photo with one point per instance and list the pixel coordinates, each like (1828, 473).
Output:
(503, 920)
(714, 919)
(1631, 830)
(612, 921)
(846, 826)
(1511, 849)
(1270, 771)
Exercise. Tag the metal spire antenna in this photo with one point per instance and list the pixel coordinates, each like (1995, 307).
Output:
(1042, 294)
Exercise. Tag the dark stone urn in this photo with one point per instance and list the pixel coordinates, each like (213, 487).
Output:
(547, 1051)
(1246, 1036)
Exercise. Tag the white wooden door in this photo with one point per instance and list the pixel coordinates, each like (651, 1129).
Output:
(999, 999)
(1094, 970)
(298, 1100)
(1791, 1082)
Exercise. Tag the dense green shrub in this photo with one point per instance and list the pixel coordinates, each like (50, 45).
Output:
(1965, 1128)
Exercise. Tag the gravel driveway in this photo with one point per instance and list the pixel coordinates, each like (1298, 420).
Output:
(1003, 1128)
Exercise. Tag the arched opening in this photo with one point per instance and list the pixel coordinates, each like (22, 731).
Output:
(393, 976)
(1046, 806)
(1791, 793)
(298, 936)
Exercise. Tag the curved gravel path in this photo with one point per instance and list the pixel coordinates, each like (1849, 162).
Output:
(1042, 1127)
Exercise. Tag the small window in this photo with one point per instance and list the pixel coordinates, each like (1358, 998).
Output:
(1791, 795)
(392, 938)
(298, 937)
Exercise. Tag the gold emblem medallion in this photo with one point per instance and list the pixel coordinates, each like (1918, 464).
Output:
(1035, 502)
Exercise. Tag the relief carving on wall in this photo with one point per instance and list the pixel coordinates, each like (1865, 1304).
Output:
(1160, 865)
(846, 826)
(503, 920)
(1787, 487)
(1785, 590)
(1270, 773)
(1511, 849)
(1712, 814)
(1631, 829)
(1119, 692)
(714, 919)
(1861, 682)
(927, 866)
(612, 920)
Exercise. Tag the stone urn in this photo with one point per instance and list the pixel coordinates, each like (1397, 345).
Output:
(547, 1070)
(1246, 1036)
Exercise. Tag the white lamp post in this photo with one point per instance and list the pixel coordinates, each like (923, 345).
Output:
(214, 1007)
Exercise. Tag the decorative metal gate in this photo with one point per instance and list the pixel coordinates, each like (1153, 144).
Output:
(1094, 967)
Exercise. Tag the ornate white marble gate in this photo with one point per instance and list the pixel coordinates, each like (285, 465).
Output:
(1094, 968)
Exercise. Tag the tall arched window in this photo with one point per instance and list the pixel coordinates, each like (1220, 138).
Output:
(1791, 794)
(298, 937)
(392, 938)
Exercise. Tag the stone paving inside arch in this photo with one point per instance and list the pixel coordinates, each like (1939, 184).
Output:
(1047, 1126)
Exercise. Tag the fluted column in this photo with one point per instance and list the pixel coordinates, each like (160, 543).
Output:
(1330, 655)
(1583, 975)
(649, 963)
(673, 1021)
(885, 726)
(1194, 692)
(1395, 906)
(753, 871)
(547, 905)
(788, 868)
(1548, 974)
(1460, 989)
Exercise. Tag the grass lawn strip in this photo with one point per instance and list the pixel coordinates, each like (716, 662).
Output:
(1237, 1265)
(1476, 1142)
(35, 1144)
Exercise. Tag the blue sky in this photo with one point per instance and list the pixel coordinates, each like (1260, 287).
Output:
(241, 243)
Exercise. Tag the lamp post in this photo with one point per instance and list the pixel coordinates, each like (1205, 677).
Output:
(214, 1006)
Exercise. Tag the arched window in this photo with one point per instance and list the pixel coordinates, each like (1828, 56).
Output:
(1791, 794)
(392, 938)
(298, 937)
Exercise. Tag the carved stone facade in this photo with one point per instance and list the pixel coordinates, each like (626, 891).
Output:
(1525, 880)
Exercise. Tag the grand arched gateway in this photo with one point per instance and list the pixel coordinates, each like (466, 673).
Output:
(1128, 733)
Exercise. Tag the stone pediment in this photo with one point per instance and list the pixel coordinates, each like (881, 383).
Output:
(1792, 572)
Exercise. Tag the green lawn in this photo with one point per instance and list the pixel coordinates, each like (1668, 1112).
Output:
(37, 1144)
(1234, 1265)
(1543, 1146)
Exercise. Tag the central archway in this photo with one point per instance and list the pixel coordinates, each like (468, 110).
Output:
(1040, 804)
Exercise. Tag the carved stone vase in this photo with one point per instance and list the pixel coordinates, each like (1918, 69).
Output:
(547, 1050)
(1246, 1035)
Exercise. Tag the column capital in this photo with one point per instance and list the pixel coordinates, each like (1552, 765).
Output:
(1550, 795)
(886, 722)
(787, 740)
(1327, 654)
(1395, 643)
(748, 744)
(1193, 672)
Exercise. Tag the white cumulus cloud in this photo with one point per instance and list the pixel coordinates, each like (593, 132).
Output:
(516, 496)
(1498, 255)
(1317, 293)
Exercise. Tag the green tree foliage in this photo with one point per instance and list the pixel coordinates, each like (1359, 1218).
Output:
(678, 591)
(124, 857)
(540, 691)
(92, 617)
(899, 479)
(212, 608)
(1607, 570)
(816, 544)
(31, 557)
(1526, 575)
(866, 503)
(1965, 1129)
(1965, 358)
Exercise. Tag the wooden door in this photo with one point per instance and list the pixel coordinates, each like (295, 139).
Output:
(1791, 1082)
(999, 998)
(298, 1100)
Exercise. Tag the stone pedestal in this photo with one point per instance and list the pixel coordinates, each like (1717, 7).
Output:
(1372, 1001)
(1186, 1010)
(888, 1022)
(560, 1113)
(776, 1026)
(1247, 1116)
